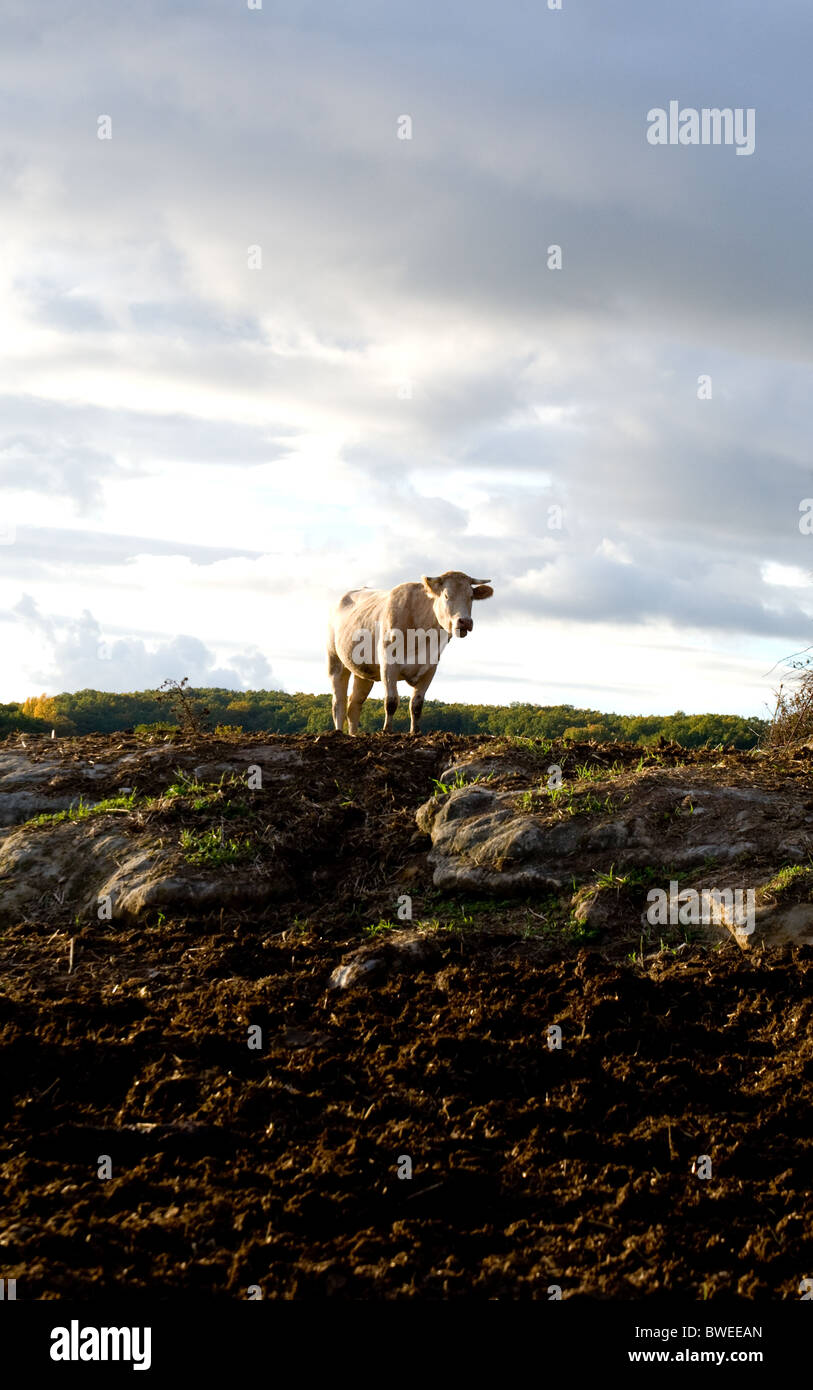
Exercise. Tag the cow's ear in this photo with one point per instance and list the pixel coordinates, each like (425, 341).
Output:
(432, 586)
(483, 591)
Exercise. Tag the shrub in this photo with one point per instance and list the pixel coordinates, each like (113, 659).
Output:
(792, 720)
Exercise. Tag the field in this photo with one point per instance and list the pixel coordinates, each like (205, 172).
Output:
(192, 1103)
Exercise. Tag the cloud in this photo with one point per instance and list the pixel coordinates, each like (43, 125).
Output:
(75, 654)
(55, 468)
(40, 552)
(708, 597)
(404, 386)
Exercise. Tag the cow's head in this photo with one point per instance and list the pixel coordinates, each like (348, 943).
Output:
(452, 595)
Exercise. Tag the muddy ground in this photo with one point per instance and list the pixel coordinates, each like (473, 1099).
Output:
(275, 1167)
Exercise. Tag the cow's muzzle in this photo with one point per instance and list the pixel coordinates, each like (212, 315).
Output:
(462, 626)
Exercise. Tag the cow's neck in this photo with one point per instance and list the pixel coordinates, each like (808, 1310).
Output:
(431, 620)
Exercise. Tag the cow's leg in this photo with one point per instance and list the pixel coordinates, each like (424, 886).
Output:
(416, 703)
(339, 679)
(361, 689)
(390, 679)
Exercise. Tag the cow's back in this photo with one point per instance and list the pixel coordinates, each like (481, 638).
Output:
(371, 611)
(359, 610)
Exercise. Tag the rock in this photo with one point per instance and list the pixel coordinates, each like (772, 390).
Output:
(459, 805)
(610, 836)
(25, 789)
(494, 769)
(793, 853)
(397, 952)
(718, 850)
(18, 807)
(598, 906)
(41, 867)
(17, 770)
(484, 841)
(784, 924)
(29, 788)
(71, 864)
(238, 763)
(65, 867)
(143, 884)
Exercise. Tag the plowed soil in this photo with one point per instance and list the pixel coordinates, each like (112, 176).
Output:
(148, 1149)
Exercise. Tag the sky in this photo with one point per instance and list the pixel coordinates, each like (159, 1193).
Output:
(293, 325)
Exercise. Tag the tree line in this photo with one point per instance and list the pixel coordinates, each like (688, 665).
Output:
(276, 711)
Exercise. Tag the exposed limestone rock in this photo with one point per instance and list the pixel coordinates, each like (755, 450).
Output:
(496, 838)
(40, 866)
(75, 863)
(397, 952)
(29, 789)
(478, 769)
(237, 764)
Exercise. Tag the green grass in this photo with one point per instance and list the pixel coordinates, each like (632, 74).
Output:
(187, 785)
(788, 881)
(84, 810)
(452, 906)
(586, 772)
(215, 802)
(540, 747)
(184, 785)
(538, 918)
(459, 780)
(564, 795)
(436, 924)
(631, 878)
(212, 847)
(566, 802)
(209, 796)
(787, 876)
(612, 879)
(455, 922)
(579, 932)
(378, 928)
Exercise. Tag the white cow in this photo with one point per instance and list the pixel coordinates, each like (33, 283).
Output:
(396, 635)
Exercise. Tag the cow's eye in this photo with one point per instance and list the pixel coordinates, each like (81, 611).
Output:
(445, 593)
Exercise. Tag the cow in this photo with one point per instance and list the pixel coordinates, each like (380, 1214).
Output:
(396, 635)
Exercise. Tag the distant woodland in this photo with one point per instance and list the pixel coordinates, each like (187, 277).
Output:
(274, 711)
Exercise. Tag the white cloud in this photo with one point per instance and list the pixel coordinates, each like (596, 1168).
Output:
(75, 654)
(612, 550)
(786, 576)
